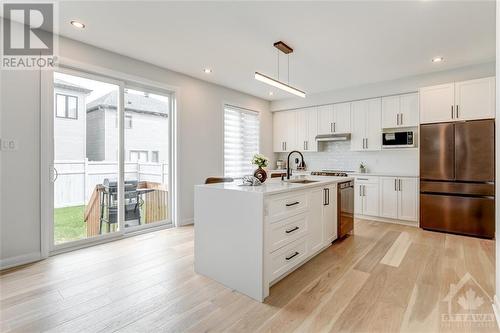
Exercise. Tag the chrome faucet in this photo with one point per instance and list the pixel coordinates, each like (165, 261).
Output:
(288, 169)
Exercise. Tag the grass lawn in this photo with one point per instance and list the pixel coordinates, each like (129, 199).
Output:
(69, 224)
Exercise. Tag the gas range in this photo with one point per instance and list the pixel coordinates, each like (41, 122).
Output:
(332, 173)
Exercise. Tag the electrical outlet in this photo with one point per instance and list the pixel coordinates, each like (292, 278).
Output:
(8, 144)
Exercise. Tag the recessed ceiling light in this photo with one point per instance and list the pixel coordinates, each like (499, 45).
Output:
(271, 93)
(437, 59)
(207, 70)
(77, 24)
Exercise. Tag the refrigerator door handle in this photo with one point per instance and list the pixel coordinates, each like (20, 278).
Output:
(452, 112)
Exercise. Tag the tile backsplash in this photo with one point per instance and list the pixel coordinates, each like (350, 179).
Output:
(338, 156)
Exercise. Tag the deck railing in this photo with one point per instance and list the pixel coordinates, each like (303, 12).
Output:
(154, 208)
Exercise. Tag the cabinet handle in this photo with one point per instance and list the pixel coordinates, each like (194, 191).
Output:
(305, 146)
(285, 145)
(293, 255)
(401, 122)
(366, 143)
(292, 204)
(334, 127)
(395, 184)
(360, 191)
(364, 193)
(452, 112)
(400, 185)
(397, 119)
(362, 178)
(291, 230)
(363, 143)
(326, 196)
(457, 112)
(331, 127)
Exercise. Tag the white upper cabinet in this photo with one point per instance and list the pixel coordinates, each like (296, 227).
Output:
(436, 103)
(475, 99)
(307, 129)
(400, 111)
(342, 118)
(390, 111)
(334, 118)
(466, 100)
(325, 119)
(284, 131)
(366, 124)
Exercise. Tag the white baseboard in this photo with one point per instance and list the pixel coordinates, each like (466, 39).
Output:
(20, 260)
(386, 220)
(187, 221)
(496, 309)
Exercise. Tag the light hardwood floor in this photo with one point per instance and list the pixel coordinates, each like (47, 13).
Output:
(384, 278)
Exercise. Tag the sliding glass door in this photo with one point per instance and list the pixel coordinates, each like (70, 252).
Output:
(111, 163)
(146, 153)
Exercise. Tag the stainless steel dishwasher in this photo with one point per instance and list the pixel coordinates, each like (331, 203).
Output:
(345, 208)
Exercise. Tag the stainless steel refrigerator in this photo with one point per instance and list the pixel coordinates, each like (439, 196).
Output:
(457, 177)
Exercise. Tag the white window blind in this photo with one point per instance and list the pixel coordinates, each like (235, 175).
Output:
(241, 141)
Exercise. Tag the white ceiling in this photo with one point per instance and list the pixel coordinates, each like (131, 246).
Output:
(337, 44)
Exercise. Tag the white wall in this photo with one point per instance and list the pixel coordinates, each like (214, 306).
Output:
(200, 154)
(403, 85)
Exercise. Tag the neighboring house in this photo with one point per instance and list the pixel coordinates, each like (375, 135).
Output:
(69, 120)
(146, 129)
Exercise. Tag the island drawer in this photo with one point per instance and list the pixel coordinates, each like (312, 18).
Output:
(287, 257)
(282, 206)
(286, 231)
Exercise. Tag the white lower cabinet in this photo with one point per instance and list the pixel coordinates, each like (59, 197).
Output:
(296, 235)
(322, 217)
(366, 196)
(397, 197)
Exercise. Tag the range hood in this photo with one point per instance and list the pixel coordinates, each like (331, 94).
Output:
(334, 137)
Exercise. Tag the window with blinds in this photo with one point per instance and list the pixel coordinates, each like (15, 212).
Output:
(241, 141)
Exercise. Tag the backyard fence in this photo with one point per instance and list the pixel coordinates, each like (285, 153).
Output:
(77, 180)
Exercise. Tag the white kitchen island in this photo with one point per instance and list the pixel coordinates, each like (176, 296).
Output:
(248, 238)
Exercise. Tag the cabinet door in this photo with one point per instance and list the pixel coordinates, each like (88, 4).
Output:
(371, 199)
(436, 103)
(290, 131)
(325, 119)
(330, 215)
(312, 129)
(302, 127)
(358, 199)
(408, 106)
(390, 111)
(342, 118)
(475, 99)
(407, 198)
(373, 126)
(316, 201)
(389, 197)
(358, 125)
(279, 131)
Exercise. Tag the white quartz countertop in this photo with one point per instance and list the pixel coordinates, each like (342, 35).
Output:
(382, 174)
(275, 185)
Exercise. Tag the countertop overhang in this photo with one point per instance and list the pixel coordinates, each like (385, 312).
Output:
(276, 185)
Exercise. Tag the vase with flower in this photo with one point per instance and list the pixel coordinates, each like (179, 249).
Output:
(261, 162)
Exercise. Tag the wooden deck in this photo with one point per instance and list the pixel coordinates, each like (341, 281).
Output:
(385, 278)
(155, 206)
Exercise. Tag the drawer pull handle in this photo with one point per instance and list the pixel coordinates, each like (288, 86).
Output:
(292, 204)
(291, 230)
(362, 178)
(292, 256)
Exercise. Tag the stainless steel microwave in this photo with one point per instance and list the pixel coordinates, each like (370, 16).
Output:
(398, 139)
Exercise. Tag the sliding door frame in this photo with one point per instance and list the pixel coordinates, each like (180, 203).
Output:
(122, 80)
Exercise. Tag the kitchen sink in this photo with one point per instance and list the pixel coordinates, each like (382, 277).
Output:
(302, 181)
